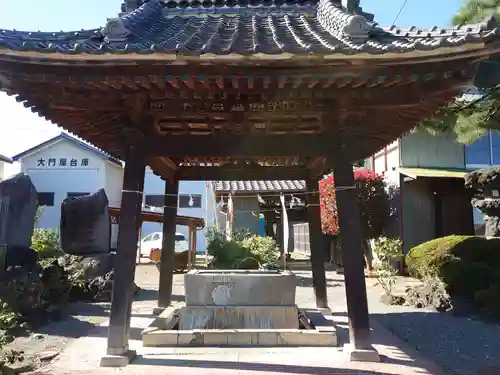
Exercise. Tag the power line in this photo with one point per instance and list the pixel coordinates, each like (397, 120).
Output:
(399, 13)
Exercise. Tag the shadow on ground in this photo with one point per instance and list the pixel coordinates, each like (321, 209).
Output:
(460, 346)
(248, 366)
(152, 295)
(307, 282)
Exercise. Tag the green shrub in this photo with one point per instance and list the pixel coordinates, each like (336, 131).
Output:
(46, 242)
(432, 257)
(263, 249)
(243, 245)
(467, 265)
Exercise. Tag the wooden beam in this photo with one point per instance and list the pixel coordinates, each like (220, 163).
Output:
(230, 174)
(225, 145)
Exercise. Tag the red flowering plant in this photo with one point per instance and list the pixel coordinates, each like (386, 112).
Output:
(373, 201)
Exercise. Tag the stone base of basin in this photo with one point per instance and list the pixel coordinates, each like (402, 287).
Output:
(236, 317)
(163, 332)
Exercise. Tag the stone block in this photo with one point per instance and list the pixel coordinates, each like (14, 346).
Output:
(360, 355)
(239, 288)
(307, 338)
(215, 337)
(239, 338)
(185, 338)
(268, 338)
(85, 225)
(238, 317)
(118, 360)
(160, 338)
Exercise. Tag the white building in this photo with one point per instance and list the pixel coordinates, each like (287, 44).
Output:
(4, 160)
(65, 166)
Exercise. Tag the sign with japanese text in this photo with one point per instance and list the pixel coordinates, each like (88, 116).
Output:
(221, 107)
(62, 162)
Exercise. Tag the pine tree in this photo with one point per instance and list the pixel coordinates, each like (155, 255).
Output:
(468, 120)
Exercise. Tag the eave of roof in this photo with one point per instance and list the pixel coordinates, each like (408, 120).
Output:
(322, 31)
(6, 159)
(261, 186)
(64, 136)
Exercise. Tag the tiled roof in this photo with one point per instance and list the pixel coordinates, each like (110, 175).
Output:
(259, 186)
(244, 27)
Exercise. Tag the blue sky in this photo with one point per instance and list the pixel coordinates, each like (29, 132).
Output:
(20, 129)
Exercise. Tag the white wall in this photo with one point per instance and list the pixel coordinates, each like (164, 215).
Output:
(155, 185)
(2, 171)
(58, 179)
(388, 165)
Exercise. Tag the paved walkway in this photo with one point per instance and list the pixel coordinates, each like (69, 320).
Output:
(83, 355)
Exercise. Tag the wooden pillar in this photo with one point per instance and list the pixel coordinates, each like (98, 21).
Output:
(128, 234)
(315, 243)
(194, 245)
(168, 245)
(190, 246)
(352, 253)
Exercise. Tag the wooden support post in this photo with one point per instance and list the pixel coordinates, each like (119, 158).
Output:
(360, 347)
(190, 247)
(195, 233)
(315, 238)
(168, 245)
(123, 283)
(139, 248)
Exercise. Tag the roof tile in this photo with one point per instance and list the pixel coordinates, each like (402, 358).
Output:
(267, 27)
(260, 186)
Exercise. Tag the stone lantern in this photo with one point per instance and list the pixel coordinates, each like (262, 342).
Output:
(485, 184)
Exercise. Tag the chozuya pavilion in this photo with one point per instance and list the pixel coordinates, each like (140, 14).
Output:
(241, 90)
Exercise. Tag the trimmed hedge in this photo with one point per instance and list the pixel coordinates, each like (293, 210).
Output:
(468, 265)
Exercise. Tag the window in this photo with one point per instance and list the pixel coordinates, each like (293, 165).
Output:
(154, 200)
(190, 201)
(76, 195)
(156, 236)
(479, 152)
(180, 237)
(46, 199)
(495, 147)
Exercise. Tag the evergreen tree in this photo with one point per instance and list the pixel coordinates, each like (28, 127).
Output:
(469, 119)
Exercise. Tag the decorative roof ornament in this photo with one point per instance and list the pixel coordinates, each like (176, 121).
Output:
(341, 24)
(353, 7)
(115, 30)
(128, 6)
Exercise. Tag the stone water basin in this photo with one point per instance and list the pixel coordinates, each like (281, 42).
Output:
(239, 307)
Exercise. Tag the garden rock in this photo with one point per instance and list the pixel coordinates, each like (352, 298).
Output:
(18, 205)
(86, 268)
(86, 225)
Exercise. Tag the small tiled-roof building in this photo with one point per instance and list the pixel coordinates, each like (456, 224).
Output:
(256, 205)
(259, 186)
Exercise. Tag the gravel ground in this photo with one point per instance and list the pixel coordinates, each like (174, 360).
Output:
(460, 346)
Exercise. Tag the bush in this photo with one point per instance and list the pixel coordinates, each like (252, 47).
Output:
(262, 249)
(373, 201)
(388, 251)
(244, 250)
(46, 243)
(469, 266)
